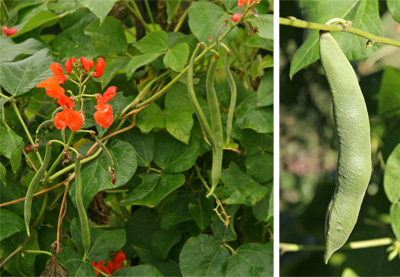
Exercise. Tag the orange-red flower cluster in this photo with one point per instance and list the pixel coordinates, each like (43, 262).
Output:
(9, 31)
(112, 266)
(69, 117)
(248, 2)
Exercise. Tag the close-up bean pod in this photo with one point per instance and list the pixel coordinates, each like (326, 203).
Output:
(353, 132)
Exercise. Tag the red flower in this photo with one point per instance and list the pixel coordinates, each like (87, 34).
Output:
(58, 73)
(85, 63)
(99, 68)
(236, 16)
(73, 60)
(65, 101)
(53, 88)
(112, 266)
(68, 66)
(104, 114)
(248, 2)
(91, 63)
(68, 117)
(9, 31)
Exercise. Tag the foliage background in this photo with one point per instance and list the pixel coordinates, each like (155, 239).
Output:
(308, 143)
(157, 212)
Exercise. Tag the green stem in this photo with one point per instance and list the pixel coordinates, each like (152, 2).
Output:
(229, 247)
(181, 20)
(65, 145)
(338, 28)
(38, 252)
(290, 247)
(25, 128)
(150, 14)
(136, 12)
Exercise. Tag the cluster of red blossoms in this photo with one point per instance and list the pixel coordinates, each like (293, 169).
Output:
(9, 31)
(237, 16)
(69, 117)
(112, 266)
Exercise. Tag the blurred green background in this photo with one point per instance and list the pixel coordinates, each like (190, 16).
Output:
(308, 156)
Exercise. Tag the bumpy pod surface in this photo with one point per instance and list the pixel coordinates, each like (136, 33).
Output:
(352, 128)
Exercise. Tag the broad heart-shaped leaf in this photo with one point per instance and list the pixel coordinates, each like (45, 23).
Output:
(259, 42)
(395, 218)
(389, 100)
(103, 243)
(39, 19)
(168, 266)
(177, 56)
(254, 142)
(19, 77)
(108, 37)
(10, 50)
(206, 18)
(139, 61)
(221, 232)
(162, 242)
(155, 42)
(240, 188)
(73, 261)
(174, 156)
(202, 214)
(11, 147)
(99, 7)
(203, 256)
(154, 188)
(252, 259)
(10, 224)
(391, 177)
(260, 119)
(175, 209)
(264, 209)
(151, 117)
(364, 14)
(95, 175)
(178, 114)
(139, 270)
(3, 173)
(265, 92)
(260, 167)
(143, 144)
(172, 8)
(111, 69)
(265, 26)
(394, 8)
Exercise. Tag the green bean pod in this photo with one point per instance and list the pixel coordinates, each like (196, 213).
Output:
(352, 128)
(32, 187)
(216, 125)
(195, 104)
(232, 104)
(83, 218)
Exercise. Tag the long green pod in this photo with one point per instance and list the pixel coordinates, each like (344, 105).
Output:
(352, 127)
(83, 218)
(195, 104)
(216, 125)
(32, 187)
(232, 104)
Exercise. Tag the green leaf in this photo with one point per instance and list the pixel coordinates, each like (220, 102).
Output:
(260, 167)
(3, 100)
(73, 261)
(10, 224)
(39, 19)
(95, 173)
(162, 242)
(265, 26)
(202, 214)
(389, 100)
(139, 270)
(19, 77)
(154, 188)
(240, 188)
(103, 243)
(265, 92)
(9, 141)
(395, 218)
(364, 14)
(264, 209)
(252, 259)
(143, 144)
(203, 256)
(259, 42)
(178, 114)
(222, 232)
(168, 267)
(16, 157)
(99, 7)
(139, 61)
(108, 37)
(111, 69)
(260, 119)
(174, 210)
(177, 56)
(172, 8)
(391, 176)
(10, 50)
(155, 42)
(174, 156)
(206, 18)
(394, 9)
(151, 117)
(3, 174)
(254, 142)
